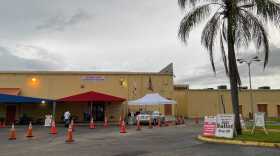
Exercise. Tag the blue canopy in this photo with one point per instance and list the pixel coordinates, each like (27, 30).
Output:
(12, 99)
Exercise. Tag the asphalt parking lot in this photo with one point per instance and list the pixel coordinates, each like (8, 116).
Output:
(165, 141)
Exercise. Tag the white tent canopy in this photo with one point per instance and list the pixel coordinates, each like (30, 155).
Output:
(151, 99)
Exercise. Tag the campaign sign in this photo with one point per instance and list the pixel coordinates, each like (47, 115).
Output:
(259, 119)
(225, 125)
(209, 127)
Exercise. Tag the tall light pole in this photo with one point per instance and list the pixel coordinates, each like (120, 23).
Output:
(249, 62)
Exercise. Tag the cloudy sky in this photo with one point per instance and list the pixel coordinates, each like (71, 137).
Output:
(113, 35)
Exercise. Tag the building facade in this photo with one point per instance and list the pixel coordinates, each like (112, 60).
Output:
(201, 102)
(56, 85)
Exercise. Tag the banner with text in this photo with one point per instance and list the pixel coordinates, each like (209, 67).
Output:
(209, 127)
(225, 125)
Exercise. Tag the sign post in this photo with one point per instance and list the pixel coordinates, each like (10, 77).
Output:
(243, 124)
(225, 125)
(259, 122)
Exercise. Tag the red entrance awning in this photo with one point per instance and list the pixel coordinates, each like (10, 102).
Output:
(91, 97)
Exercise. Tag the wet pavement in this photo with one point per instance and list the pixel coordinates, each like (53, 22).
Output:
(166, 141)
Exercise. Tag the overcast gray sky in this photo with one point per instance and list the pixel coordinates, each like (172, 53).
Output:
(118, 35)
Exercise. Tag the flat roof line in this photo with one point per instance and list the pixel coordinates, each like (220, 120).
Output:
(84, 72)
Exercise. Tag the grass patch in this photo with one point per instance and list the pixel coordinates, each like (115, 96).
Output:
(272, 126)
(259, 136)
(273, 119)
(267, 126)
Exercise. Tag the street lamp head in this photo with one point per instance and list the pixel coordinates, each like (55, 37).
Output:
(240, 60)
(256, 59)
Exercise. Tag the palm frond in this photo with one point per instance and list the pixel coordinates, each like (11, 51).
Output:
(243, 34)
(183, 3)
(192, 19)
(209, 34)
(259, 34)
(269, 10)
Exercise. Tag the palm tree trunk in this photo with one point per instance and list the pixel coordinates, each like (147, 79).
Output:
(233, 74)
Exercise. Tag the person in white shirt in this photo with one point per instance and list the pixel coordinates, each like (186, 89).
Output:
(67, 118)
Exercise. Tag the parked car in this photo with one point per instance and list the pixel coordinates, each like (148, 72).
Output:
(145, 116)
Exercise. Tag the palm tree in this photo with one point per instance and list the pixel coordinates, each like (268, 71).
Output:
(232, 25)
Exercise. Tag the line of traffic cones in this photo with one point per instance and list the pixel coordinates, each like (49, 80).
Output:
(69, 135)
(138, 126)
(123, 128)
(72, 125)
(120, 121)
(92, 124)
(2, 124)
(12, 135)
(29, 131)
(159, 123)
(53, 129)
(106, 125)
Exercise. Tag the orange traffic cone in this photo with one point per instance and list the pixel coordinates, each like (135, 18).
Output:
(4, 124)
(29, 131)
(69, 136)
(150, 123)
(138, 126)
(123, 129)
(159, 123)
(91, 124)
(105, 122)
(53, 129)
(12, 133)
(72, 125)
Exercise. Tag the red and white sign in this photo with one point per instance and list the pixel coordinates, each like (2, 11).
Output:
(209, 127)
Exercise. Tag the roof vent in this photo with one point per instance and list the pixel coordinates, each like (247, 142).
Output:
(243, 87)
(265, 87)
(222, 87)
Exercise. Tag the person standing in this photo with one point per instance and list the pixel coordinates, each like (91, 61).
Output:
(67, 118)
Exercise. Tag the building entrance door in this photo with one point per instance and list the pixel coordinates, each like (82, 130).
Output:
(11, 114)
(263, 108)
(168, 109)
(98, 112)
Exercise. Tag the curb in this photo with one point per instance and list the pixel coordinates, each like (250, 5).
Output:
(269, 130)
(239, 142)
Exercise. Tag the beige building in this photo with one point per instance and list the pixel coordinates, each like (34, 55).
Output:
(201, 102)
(106, 94)
(60, 84)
